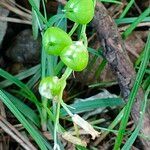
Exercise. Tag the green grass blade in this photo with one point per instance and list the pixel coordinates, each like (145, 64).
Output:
(34, 79)
(113, 124)
(62, 23)
(51, 65)
(35, 27)
(133, 93)
(106, 129)
(54, 19)
(32, 3)
(35, 135)
(111, 1)
(134, 24)
(95, 52)
(23, 75)
(121, 21)
(148, 71)
(24, 88)
(44, 8)
(100, 69)
(24, 109)
(146, 83)
(134, 135)
(78, 147)
(127, 9)
(59, 67)
(84, 106)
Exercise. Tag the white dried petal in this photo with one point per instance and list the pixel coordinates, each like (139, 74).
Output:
(69, 53)
(44, 90)
(55, 79)
(85, 125)
(74, 55)
(73, 47)
(79, 43)
(67, 136)
(72, 5)
(75, 10)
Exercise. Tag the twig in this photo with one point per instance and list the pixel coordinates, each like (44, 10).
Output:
(22, 8)
(115, 53)
(2, 109)
(14, 20)
(144, 24)
(15, 10)
(8, 128)
(63, 2)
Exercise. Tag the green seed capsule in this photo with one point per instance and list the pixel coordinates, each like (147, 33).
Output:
(75, 56)
(55, 40)
(80, 11)
(50, 87)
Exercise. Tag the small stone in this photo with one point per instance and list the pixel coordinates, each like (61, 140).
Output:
(25, 49)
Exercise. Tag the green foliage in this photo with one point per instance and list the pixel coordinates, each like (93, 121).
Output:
(136, 22)
(125, 11)
(122, 21)
(24, 109)
(47, 115)
(35, 27)
(41, 141)
(22, 75)
(136, 131)
(132, 96)
(111, 1)
(20, 84)
(84, 105)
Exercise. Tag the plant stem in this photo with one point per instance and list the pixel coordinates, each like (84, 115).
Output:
(73, 29)
(44, 100)
(59, 100)
(56, 124)
(43, 113)
(37, 11)
(83, 35)
(44, 8)
(66, 108)
(66, 74)
(60, 21)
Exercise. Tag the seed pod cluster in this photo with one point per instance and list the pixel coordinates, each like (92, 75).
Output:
(57, 42)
